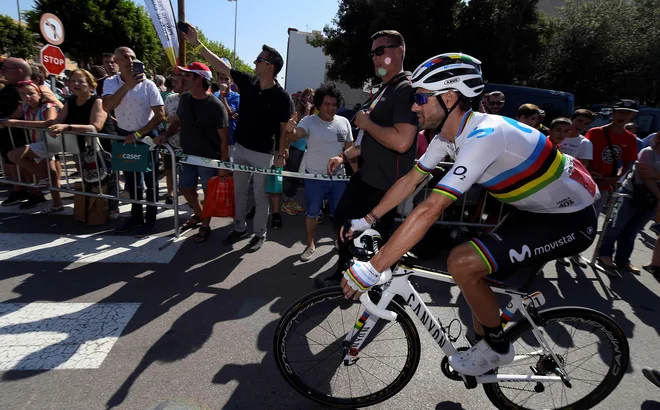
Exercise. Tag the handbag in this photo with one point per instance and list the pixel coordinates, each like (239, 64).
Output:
(130, 157)
(642, 198)
(95, 162)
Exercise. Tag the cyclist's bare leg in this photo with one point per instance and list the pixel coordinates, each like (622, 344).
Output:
(478, 329)
(467, 268)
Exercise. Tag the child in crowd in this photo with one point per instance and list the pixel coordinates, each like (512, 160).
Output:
(559, 130)
(35, 112)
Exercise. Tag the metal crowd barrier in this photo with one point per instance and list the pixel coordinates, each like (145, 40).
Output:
(68, 143)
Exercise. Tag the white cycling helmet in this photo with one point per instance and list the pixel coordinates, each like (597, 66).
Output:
(450, 71)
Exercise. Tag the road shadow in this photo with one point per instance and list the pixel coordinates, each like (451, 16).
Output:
(283, 283)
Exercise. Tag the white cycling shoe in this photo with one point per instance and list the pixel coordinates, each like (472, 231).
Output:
(480, 359)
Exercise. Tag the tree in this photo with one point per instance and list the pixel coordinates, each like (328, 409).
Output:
(93, 27)
(96, 26)
(427, 27)
(504, 35)
(603, 50)
(16, 40)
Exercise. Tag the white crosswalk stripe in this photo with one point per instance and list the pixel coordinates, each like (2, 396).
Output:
(49, 336)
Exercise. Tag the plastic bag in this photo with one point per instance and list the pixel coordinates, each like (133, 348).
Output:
(219, 201)
(274, 183)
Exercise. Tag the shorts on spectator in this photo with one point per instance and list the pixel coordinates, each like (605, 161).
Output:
(317, 190)
(39, 149)
(190, 174)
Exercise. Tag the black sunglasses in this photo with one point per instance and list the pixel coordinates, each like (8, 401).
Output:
(496, 103)
(380, 50)
(262, 60)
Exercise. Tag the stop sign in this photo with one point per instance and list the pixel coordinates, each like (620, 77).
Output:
(53, 60)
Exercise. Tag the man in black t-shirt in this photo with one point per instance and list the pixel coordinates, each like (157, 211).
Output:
(265, 108)
(385, 144)
(14, 70)
(204, 126)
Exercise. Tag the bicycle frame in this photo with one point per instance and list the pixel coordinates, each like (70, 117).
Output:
(397, 283)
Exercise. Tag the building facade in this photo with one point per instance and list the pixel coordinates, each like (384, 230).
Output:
(307, 66)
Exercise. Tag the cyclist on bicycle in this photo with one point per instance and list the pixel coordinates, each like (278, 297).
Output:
(551, 195)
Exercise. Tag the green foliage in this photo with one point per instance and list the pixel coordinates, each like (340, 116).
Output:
(93, 27)
(503, 34)
(16, 40)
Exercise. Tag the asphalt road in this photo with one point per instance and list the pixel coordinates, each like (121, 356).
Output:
(93, 320)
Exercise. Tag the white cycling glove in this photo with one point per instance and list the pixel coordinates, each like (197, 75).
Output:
(359, 225)
(361, 276)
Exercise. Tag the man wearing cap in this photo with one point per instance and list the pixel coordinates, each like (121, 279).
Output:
(138, 108)
(203, 125)
(612, 143)
(265, 110)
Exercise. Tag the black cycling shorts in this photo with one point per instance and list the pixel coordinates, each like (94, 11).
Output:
(528, 239)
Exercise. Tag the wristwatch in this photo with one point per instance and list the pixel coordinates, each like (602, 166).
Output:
(280, 156)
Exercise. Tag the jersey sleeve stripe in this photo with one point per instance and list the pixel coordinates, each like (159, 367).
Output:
(555, 172)
(485, 255)
(541, 151)
(447, 191)
(422, 169)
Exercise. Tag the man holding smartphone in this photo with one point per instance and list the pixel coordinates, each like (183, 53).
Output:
(138, 107)
(260, 132)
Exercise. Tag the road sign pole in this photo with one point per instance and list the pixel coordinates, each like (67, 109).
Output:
(53, 84)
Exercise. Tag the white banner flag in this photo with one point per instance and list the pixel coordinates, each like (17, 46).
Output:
(162, 15)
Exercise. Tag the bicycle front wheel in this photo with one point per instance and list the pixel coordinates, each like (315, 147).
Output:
(591, 347)
(309, 350)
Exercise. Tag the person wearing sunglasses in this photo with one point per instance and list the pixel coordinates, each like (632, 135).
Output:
(551, 198)
(495, 102)
(265, 109)
(385, 143)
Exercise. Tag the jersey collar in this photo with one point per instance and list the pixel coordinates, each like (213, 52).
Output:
(464, 121)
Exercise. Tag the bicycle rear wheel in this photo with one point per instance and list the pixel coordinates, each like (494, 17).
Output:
(560, 328)
(309, 351)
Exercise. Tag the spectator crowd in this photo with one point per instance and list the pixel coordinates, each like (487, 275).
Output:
(249, 119)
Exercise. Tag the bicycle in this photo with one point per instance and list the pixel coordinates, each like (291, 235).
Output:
(343, 348)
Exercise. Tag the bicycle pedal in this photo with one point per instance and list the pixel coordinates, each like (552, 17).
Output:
(470, 382)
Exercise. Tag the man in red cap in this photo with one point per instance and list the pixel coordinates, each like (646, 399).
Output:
(203, 124)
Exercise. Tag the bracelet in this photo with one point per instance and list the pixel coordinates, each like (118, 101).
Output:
(373, 217)
(137, 135)
(345, 157)
(199, 47)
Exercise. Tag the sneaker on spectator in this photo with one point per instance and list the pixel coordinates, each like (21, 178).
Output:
(298, 207)
(307, 253)
(655, 228)
(321, 218)
(234, 237)
(34, 200)
(289, 207)
(16, 197)
(129, 225)
(169, 200)
(114, 215)
(277, 220)
(256, 242)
